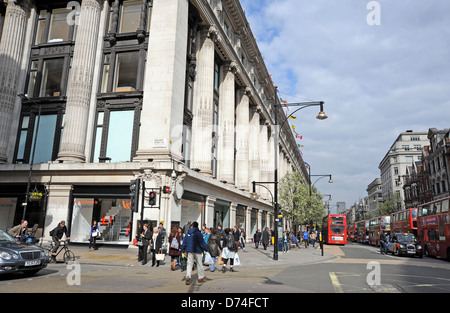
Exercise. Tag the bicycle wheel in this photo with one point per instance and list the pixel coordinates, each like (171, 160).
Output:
(69, 256)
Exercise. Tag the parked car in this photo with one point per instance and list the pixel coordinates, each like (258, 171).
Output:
(16, 256)
(404, 244)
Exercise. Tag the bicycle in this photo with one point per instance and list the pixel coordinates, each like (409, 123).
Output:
(68, 255)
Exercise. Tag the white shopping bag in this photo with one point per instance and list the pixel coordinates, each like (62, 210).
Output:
(237, 260)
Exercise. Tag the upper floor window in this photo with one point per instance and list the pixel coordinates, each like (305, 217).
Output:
(129, 16)
(53, 25)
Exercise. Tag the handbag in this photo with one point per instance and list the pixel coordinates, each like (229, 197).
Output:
(220, 259)
(159, 257)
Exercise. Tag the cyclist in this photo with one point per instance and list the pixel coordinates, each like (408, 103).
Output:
(57, 234)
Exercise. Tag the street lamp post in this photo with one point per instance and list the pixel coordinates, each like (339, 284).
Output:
(321, 116)
(25, 97)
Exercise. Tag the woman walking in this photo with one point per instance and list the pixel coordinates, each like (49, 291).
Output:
(229, 250)
(214, 247)
(175, 248)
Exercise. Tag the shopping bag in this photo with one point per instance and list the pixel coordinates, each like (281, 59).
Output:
(159, 257)
(237, 260)
(208, 259)
(183, 263)
(220, 259)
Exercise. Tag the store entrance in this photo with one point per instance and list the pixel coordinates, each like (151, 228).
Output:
(113, 217)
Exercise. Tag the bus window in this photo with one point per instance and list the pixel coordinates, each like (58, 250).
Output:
(414, 213)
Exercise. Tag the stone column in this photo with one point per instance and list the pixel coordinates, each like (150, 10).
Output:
(11, 52)
(202, 122)
(264, 160)
(242, 138)
(233, 208)
(209, 211)
(226, 124)
(80, 84)
(254, 150)
(161, 130)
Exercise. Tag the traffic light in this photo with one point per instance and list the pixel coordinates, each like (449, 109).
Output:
(152, 198)
(166, 189)
(134, 194)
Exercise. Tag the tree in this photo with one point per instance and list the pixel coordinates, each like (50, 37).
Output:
(391, 205)
(296, 202)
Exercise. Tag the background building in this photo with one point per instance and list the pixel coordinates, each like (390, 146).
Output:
(174, 92)
(405, 150)
(374, 195)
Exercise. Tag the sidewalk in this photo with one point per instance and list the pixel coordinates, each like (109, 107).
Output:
(251, 257)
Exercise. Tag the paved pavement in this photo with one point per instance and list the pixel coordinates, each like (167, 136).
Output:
(250, 257)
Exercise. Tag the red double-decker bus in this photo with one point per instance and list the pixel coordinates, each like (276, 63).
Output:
(363, 231)
(433, 228)
(351, 232)
(404, 221)
(377, 226)
(334, 229)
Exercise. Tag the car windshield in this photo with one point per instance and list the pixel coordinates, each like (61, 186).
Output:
(5, 237)
(406, 237)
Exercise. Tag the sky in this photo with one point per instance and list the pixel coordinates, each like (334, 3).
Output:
(381, 67)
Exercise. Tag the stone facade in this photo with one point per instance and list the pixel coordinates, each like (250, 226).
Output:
(186, 87)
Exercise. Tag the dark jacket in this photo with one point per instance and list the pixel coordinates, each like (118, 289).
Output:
(146, 238)
(265, 236)
(214, 245)
(194, 242)
(257, 236)
(59, 231)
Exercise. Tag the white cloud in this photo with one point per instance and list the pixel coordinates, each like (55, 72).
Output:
(376, 81)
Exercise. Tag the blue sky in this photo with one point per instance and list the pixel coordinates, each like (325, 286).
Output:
(376, 80)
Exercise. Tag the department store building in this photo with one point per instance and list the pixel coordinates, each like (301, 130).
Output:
(94, 94)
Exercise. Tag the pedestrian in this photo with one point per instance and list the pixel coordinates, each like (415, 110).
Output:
(236, 235)
(214, 247)
(186, 228)
(383, 243)
(320, 237)
(313, 237)
(305, 238)
(143, 248)
(294, 240)
(19, 230)
(285, 242)
(242, 239)
(265, 238)
(174, 248)
(194, 245)
(230, 247)
(257, 238)
(94, 234)
(155, 245)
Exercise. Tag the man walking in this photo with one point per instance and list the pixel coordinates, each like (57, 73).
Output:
(265, 238)
(194, 245)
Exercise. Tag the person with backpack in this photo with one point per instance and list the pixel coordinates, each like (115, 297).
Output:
(214, 247)
(174, 248)
(194, 245)
(229, 250)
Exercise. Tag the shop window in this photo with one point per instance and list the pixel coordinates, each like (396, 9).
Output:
(113, 216)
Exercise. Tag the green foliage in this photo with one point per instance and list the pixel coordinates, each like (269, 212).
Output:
(391, 205)
(296, 202)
